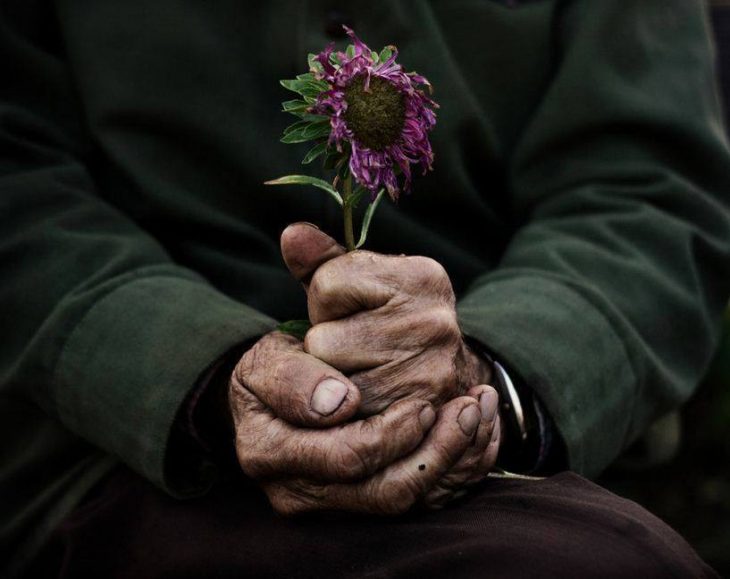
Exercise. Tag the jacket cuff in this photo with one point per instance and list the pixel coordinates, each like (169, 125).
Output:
(560, 344)
(129, 364)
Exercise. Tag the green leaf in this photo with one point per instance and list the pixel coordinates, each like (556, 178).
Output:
(312, 89)
(290, 84)
(367, 219)
(296, 328)
(296, 127)
(306, 88)
(375, 56)
(309, 78)
(306, 131)
(309, 117)
(307, 180)
(294, 106)
(350, 52)
(314, 152)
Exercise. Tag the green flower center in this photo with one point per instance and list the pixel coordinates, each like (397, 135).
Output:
(376, 117)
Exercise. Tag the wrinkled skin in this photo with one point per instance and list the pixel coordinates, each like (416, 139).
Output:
(383, 405)
(390, 323)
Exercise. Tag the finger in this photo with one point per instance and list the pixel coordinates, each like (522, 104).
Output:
(304, 248)
(374, 338)
(296, 386)
(397, 488)
(489, 458)
(268, 447)
(363, 280)
(476, 462)
(428, 377)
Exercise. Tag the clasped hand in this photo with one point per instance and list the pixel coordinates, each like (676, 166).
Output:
(382, 406)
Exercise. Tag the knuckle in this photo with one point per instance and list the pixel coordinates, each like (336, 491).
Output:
(315, 341)
(442, 324)
(430, 271)
(253, 463)
(297, 496)
(323, 285)
(351, 463)
(399, 498)
(440, 379)
(285, 503)
(438, 496)
(246, 365)
(262, 355)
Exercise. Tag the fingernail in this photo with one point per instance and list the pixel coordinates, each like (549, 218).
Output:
(469, 419)
(489, 402)
(427, 417)
(328, 396)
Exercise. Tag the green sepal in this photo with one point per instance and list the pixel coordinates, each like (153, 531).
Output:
(356, 196)
(336, 159)
(350, 51)
(385, 54)
(305, 131)
(307, 180)
(313, 63)
(330, 161)
(296, 328)
(314, 152)
(367, 219)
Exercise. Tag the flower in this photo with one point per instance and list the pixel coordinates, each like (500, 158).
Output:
(377, 111)
(368, 118)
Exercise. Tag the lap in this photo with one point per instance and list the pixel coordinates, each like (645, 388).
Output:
(557, 527)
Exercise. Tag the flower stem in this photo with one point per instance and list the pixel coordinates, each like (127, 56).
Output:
(347, 212)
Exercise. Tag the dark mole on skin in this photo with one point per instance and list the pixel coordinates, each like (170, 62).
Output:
(421, 467)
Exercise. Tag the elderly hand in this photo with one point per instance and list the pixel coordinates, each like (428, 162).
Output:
(390, 323)
(291, 415)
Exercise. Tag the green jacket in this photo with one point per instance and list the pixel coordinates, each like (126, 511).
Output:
(579, 202)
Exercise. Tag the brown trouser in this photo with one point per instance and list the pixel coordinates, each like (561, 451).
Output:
(563, 526)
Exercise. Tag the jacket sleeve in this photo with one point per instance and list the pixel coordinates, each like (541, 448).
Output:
(607, 301)
(100, 327)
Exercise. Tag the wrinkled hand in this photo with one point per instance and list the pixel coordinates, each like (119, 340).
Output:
(292, 412)
(390, 323)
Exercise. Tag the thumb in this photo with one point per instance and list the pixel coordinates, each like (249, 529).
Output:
(304, 248)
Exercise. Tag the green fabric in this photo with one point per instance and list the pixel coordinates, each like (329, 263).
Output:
(600, 302)
(579, 203)
(171, 328)
(555, 337)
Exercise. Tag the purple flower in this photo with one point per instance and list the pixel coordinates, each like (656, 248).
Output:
(377, 111)
(368, 119)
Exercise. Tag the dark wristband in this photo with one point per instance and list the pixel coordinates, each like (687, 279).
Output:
(531, 444)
